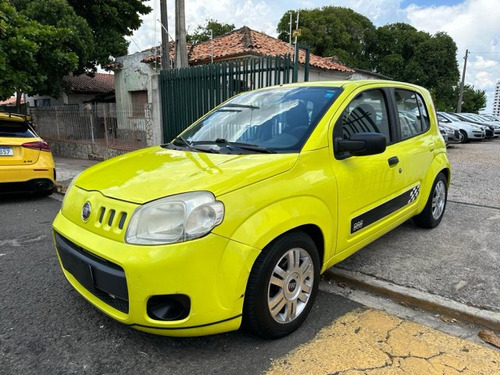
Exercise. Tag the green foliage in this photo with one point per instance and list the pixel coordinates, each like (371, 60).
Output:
(110, 21)
(41, 41)
(35, 56)
(333, 31)
(398, 50)
(473, 100)
(212, 28)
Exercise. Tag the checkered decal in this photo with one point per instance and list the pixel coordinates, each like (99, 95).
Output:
(414, 193)
(385, 209)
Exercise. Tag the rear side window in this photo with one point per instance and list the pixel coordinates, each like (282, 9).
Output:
(366, 113)
(412, 114)
(16, 129)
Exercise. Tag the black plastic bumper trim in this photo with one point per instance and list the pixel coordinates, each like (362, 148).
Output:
(94, 274)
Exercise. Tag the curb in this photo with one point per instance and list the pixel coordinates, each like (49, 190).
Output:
(416, 298)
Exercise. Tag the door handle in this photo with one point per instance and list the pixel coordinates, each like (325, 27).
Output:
(393, 161)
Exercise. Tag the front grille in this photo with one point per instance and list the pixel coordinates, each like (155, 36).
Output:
(110, 218)
(102, 278)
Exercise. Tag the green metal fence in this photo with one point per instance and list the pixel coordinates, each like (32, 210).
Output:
(188, 93)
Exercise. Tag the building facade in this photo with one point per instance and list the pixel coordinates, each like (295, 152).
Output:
(496, 100)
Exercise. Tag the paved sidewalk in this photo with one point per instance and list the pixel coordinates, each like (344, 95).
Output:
(372, 342)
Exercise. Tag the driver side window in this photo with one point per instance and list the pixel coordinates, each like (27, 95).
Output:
(367, 113)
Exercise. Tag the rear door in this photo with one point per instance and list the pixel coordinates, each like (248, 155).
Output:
(13, 135)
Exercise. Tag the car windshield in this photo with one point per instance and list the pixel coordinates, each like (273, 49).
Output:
(452, 117)
(274, 120)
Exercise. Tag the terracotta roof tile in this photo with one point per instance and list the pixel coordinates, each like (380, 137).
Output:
(244, 42)
(99, 83)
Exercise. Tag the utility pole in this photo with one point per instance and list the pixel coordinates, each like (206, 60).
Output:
(461, 94)
(181, 59)
(165, 53)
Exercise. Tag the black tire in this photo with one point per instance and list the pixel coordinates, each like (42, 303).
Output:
(465, 138)
(294, 297)
(434, 209)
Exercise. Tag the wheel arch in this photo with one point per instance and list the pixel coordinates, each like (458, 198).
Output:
(439, 165)
(306, 213)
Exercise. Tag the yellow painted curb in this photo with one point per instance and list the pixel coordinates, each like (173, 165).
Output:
(374, 342)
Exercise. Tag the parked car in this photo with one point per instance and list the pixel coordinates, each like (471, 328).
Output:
(26, 163)
(233, 221)
(492, 122)
(468, 130)
(450, 134)
(475, 119)
(444, 134)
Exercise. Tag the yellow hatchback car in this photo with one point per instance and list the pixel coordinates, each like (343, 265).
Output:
(26, 163)
(233, 222)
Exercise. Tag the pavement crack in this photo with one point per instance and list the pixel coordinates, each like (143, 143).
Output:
(474, 204)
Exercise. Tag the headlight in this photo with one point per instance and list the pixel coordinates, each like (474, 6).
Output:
(175, 219)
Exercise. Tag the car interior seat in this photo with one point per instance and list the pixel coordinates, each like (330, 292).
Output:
(362, 119)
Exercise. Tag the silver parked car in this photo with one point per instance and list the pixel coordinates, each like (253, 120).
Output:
(476, 119)
(468, 130)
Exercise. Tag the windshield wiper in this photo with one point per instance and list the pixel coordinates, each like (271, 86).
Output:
(245, 146)
(235, 105)
(187, 144)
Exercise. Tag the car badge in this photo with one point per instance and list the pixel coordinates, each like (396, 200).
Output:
(86, 210)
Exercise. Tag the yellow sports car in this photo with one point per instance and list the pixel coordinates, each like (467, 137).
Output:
(233, 221)
(26, 164)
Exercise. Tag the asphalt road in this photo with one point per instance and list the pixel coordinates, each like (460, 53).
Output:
(47, 328)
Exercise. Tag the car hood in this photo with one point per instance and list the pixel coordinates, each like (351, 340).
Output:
(155, 172)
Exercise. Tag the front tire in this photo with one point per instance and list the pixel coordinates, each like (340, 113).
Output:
(433, 212)
(282, 286)
(465, 138)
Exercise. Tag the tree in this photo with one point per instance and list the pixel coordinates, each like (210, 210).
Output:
(41, 41)
(406, 54)
(473, 100)
(334, 31)
(110, 21)
(34, 56)
(212, 28)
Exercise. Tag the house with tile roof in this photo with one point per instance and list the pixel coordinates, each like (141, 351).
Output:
(78, 90)
(136, 75)
(245, 42)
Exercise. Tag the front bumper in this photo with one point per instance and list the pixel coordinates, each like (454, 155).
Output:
(120, 279)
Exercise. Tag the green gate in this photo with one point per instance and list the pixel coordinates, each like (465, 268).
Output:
(189, 93)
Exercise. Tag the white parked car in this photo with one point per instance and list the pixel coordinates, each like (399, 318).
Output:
(469, 130)
(476, 119)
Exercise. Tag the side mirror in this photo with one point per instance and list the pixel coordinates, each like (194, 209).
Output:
(361, 144)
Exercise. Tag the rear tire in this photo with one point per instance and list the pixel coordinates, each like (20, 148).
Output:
(282, 286)
(433, 212)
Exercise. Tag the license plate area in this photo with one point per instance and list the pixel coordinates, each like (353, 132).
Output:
(6, 151)
(103, 279)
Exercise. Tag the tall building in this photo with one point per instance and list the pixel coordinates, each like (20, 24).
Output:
(496, 100)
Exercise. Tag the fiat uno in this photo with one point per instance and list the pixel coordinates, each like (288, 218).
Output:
(232, 222)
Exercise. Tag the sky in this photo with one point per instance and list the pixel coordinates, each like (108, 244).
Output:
(474, 25)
